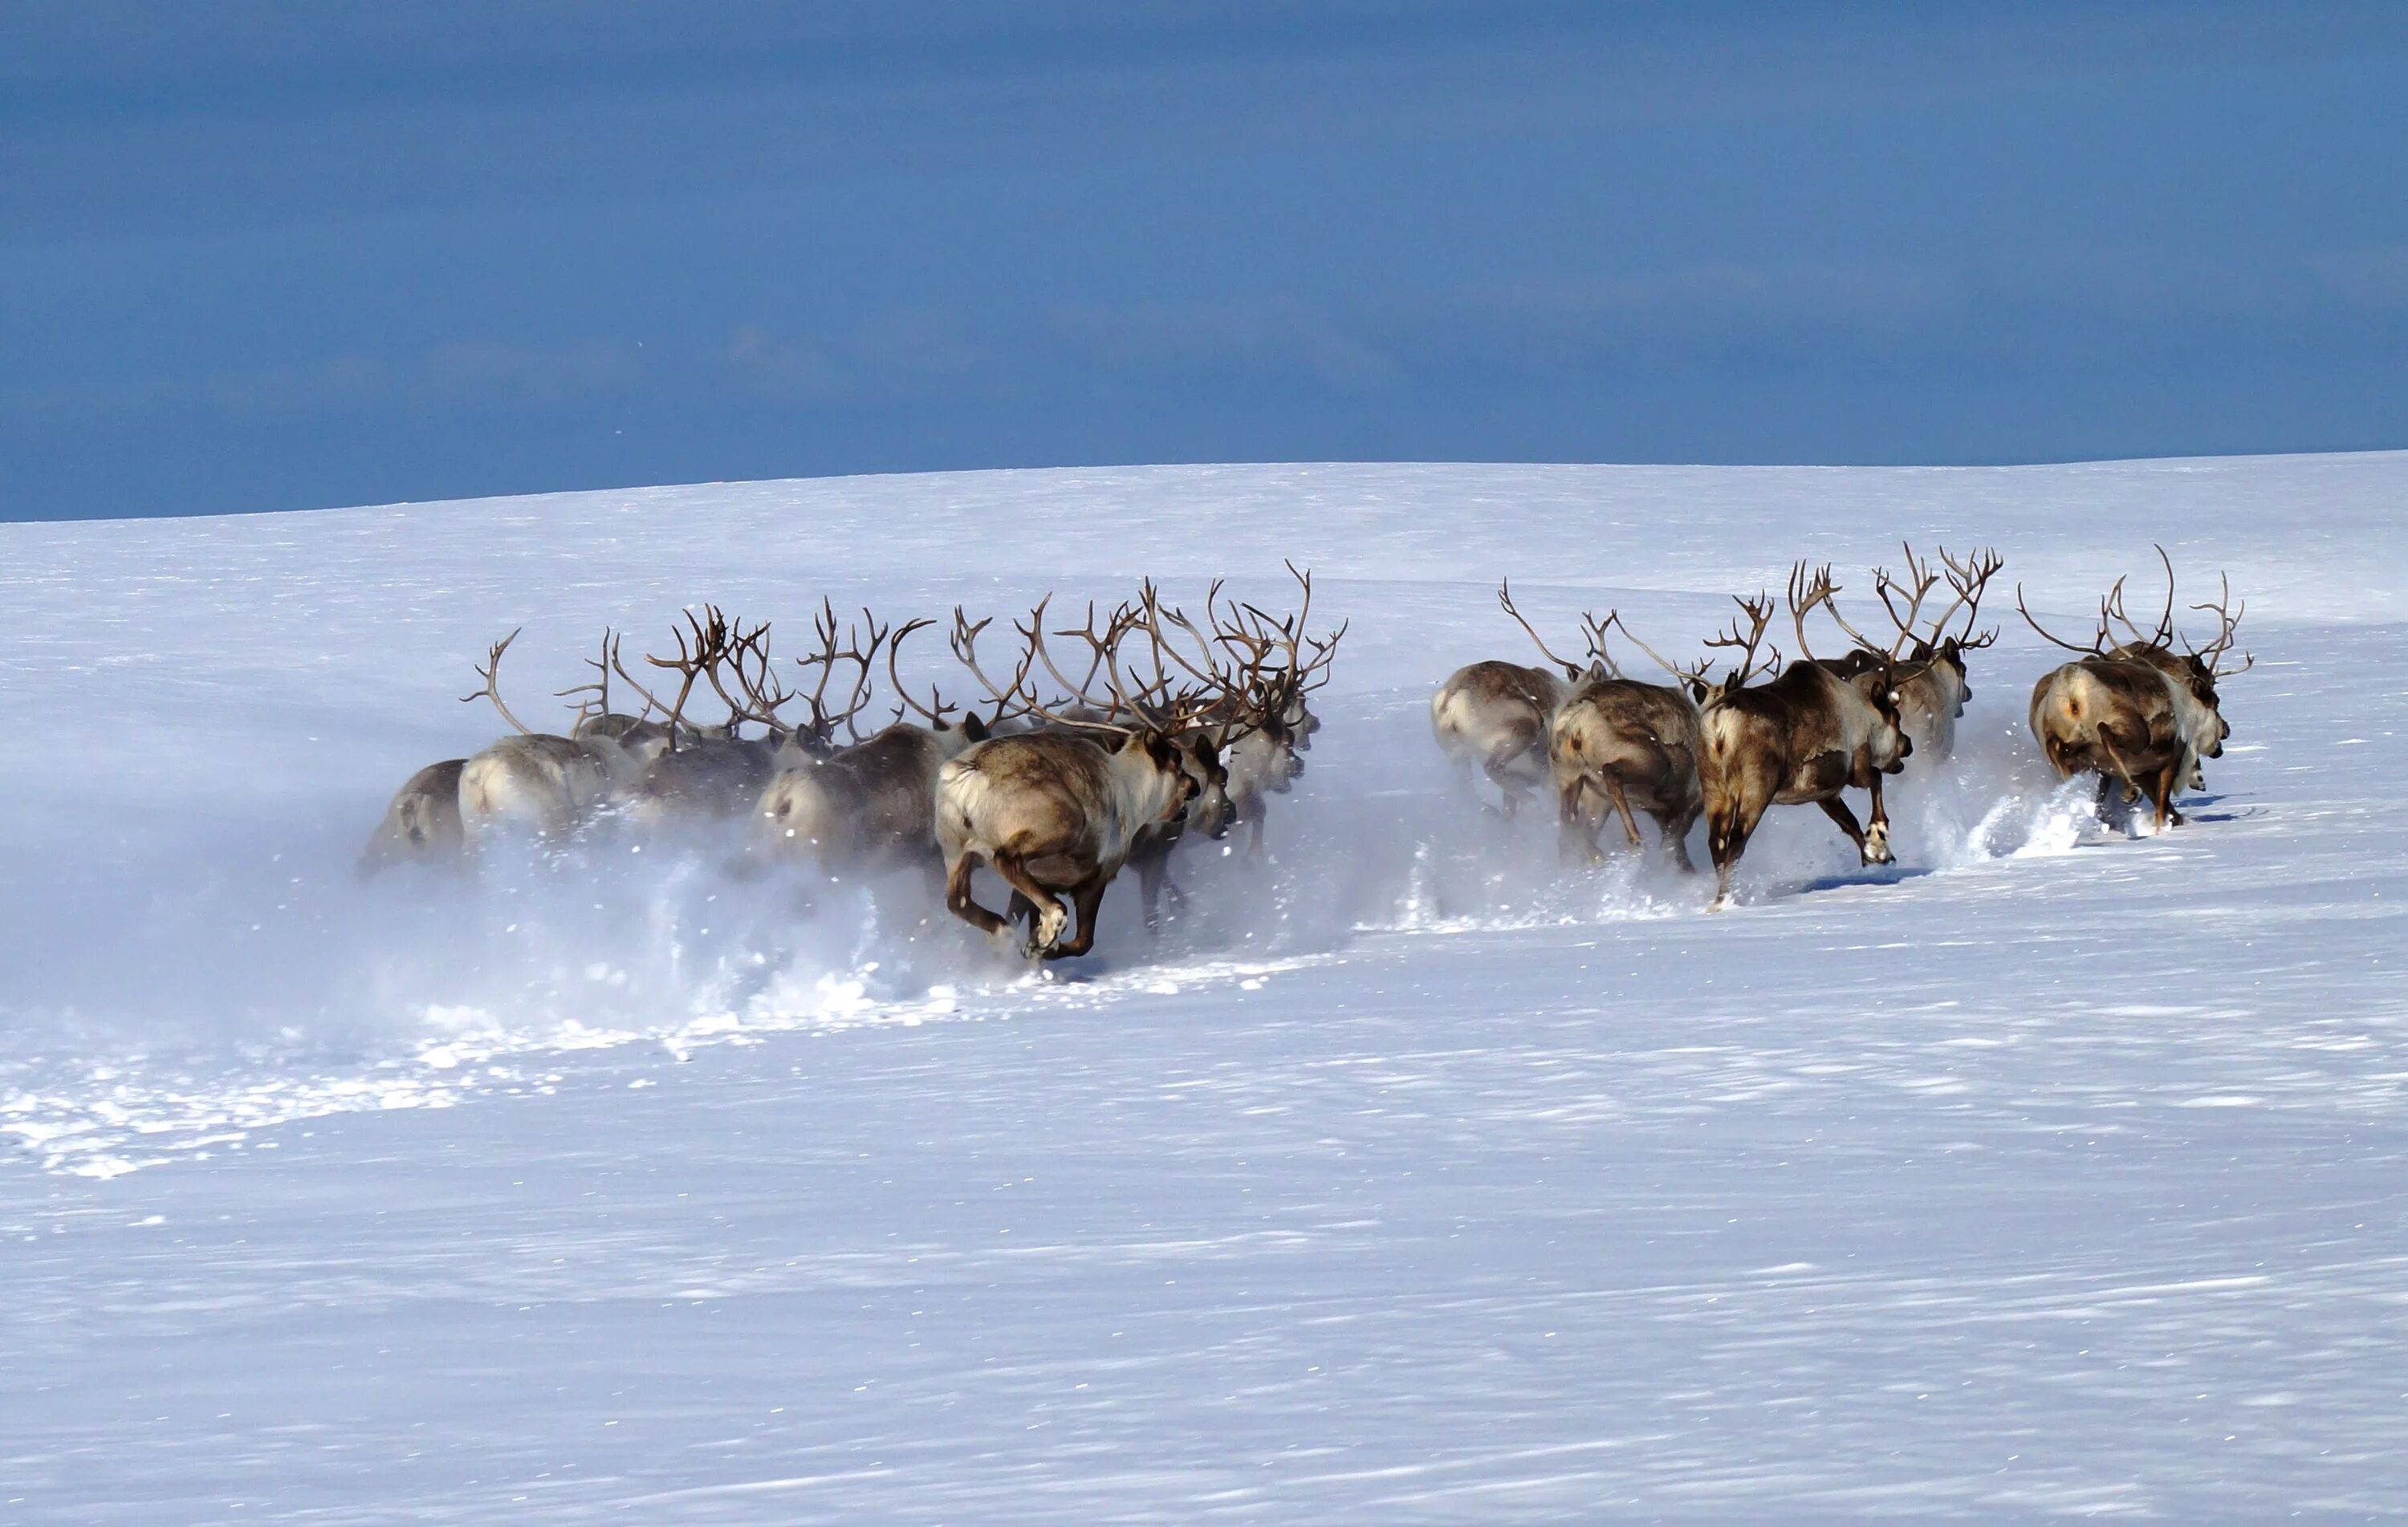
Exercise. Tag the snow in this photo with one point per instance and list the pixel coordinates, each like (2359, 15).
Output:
(1413, 1177)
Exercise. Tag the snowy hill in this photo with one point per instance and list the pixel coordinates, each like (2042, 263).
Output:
(1412, 1177)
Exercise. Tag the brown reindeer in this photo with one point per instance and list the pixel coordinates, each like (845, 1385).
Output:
(1804, 737)
(716, 772)
(546, 783)
(1927, 662)
(1266, 669)
(423, 822)
(1622, 741)
(2137, 713)
(1492, 716)
(1056, 811)
(873, 804)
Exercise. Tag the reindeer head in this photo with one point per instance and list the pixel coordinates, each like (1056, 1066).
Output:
(1891, 747)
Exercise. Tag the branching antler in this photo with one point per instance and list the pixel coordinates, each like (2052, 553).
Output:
(2098, 647)
(1009, 699)
(1968, 578)
(935, 710)
(1757, 614)
(489, 671)
(1505, 601)
(750, 667)
(599, 688)
(1680, 676)
(2227, 620)
(703, 655)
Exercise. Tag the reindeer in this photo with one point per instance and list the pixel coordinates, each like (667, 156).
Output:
(1928, 663)
(1264, 669)
(2137, 712)
(873, 804)
(548, 783)
(1138, 704)
(1057, 811)
(1804, 737)
(717, 772)
(640, 736)
(423, 822)
(1274, 718)
(1620, 739)
(1493, 716)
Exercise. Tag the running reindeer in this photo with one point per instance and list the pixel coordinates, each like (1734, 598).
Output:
(1264, 668)
(1615, 740)
(542, 781)
(1057, 811)
(708, 773)
(2137, 712)
(1806, 735)
(872, 806)
(1929, 659)
(1492, 716)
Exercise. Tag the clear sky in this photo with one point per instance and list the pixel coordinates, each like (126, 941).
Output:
(278, 255)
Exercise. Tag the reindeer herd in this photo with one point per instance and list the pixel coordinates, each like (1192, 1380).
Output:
(1770, 731)
(1055, 783)
(1176, 727)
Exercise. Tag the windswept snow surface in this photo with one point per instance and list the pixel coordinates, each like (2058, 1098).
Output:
(1410, 1177)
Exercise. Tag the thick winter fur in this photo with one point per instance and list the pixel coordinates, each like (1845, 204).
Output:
(2142, 717)
(1803, 737)
(1210, 810)
(640, 739)
(1493, 717)
(872, 804)
(540, 783)
(1055, 812)
(423, 821)
(705, 778)
(1931, 693)
(1617, 745)
(545, 784)
(1263, 763)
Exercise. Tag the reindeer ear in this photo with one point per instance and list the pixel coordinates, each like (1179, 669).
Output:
(974, 729)
(1698, 689)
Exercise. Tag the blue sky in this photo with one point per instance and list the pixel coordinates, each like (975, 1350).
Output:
(284, 255)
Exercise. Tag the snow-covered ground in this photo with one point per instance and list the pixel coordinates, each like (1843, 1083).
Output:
(1410, 1177)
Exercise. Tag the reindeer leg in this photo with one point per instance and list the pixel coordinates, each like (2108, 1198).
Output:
(1676, 837)
(1876, 843)
(1088, 899)
(2161, 795)
(1621, 804)
(2123, 772)
(1837, 809)
(959, 901)
(1152, 873)
(1254, 830)
(1051, 915)
(1576, 834)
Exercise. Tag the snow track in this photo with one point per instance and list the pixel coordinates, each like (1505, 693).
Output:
(1413, 1178)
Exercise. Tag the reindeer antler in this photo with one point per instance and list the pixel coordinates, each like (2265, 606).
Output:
(935, 710)
(709, 648)
(1969, 579)
(2098, 647)
(963, 641)
(1680, 676)
(1505, 600)
(599, 688)
(2228, 618)
(763, 697)
(1759, 615)
(490, 671)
